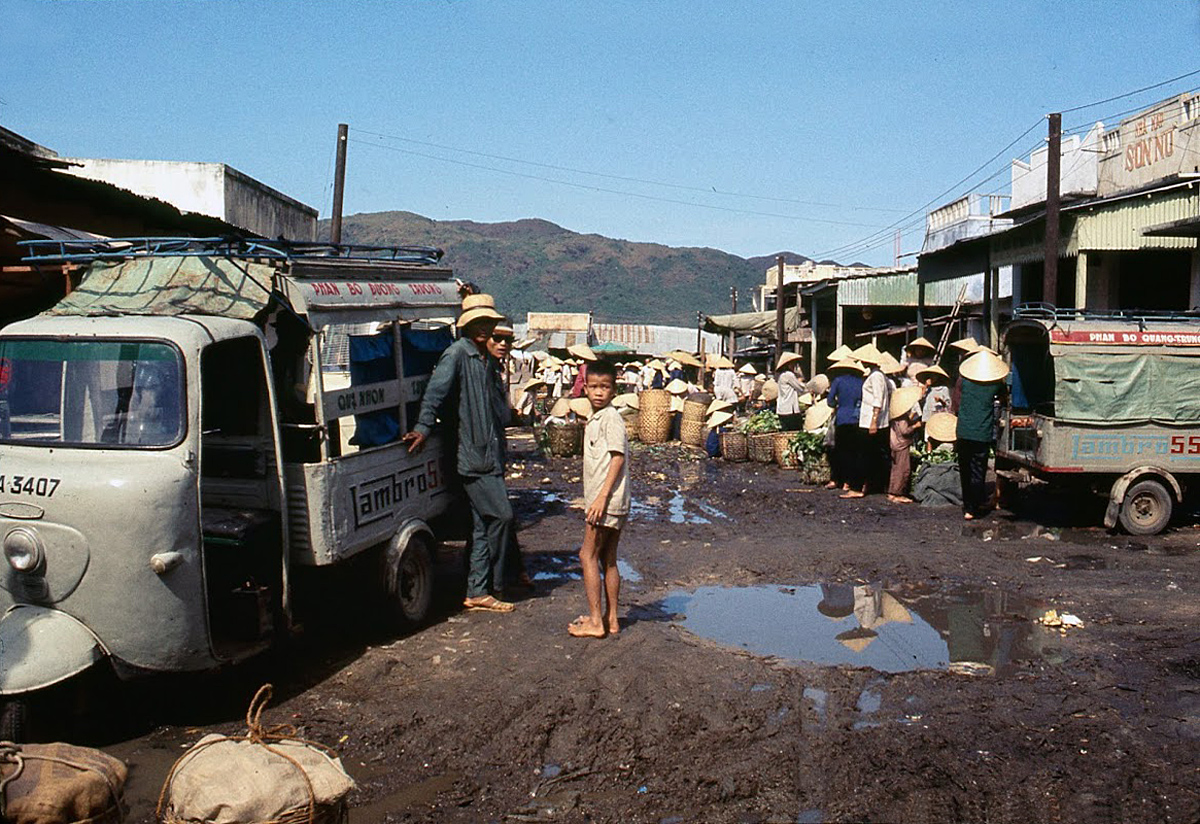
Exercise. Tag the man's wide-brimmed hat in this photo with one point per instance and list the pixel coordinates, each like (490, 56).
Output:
(920, 343)
(478, 307)
(903, 400)
(719, 418)
(983, 366)
(581, 407)
(942, 426)
(786, 360)
(748, 369)
(582, 351)
(933, 372)
(867, 353)
(817, 415)
(677, 387)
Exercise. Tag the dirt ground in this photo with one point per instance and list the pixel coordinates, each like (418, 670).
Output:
(478, 717)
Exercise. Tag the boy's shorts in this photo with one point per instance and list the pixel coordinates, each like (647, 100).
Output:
(616, 522)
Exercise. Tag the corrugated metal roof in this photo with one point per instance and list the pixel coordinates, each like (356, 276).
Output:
(1118, 226)
(901, 290)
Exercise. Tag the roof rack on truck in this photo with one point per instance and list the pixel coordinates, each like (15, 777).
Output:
(1050, 312)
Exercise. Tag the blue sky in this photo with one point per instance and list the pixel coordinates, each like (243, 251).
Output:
(827, 120)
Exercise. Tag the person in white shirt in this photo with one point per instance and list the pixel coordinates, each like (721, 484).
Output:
(787, 406)
(874, 458)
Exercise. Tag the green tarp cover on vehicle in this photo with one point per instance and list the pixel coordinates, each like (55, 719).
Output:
(173, 285)
(1127, 388)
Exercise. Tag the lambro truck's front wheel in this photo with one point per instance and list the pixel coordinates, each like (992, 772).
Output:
(1146, 509)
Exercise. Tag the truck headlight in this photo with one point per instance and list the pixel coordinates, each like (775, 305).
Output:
(23, 550)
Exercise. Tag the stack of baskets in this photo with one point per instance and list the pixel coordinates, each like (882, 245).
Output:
(782, 447)
(691, 428)
(654, 417)
(734, 446)
(565, 439)
(762, 447)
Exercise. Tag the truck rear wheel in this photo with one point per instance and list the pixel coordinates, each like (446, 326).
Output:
(1146, 509)
(409, 602)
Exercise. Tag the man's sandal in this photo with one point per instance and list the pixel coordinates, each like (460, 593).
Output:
(488, 603)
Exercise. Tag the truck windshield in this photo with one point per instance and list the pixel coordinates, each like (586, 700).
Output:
(124, 394)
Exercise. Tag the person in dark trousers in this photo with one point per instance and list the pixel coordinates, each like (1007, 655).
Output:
(463, 392)
(873, 423)
(982, 375)
(845, 396)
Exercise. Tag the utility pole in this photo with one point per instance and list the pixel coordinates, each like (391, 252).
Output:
(699, 330)
(339, 185)
(733, 335)
(1053, 162)
(778, 311)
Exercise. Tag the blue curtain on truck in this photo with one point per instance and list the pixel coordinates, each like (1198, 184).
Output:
(373, 359)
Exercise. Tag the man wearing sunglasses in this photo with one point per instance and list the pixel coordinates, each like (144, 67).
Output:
(463, 392)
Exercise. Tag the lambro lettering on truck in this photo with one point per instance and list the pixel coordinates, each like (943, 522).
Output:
(1108, 447)
(379, 498)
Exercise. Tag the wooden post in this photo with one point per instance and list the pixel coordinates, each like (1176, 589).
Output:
(1053, 163)
(988, 299)
(339, 186)
(733, 335)
(994, 317)
(778, 311)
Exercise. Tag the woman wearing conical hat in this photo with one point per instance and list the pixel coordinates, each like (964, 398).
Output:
(874, 457)
(918, 354)
(937, 391)
(845, 396)
(787, 405)
(982, 375)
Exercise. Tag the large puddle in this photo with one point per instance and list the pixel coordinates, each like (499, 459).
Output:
(677, 509)
(887, 628)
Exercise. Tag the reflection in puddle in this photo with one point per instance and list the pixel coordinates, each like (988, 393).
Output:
(890, 629)
(628, 573)
(680, 509)
(566, 568)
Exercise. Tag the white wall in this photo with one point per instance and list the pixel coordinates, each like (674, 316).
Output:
(1078, 170)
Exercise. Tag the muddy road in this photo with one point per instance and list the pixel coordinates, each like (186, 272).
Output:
(785, 656)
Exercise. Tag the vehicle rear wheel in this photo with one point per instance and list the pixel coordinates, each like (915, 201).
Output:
(413, 592)
(1146, 509)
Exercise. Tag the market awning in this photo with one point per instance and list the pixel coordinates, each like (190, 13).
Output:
(1187, 227)
(761, 324)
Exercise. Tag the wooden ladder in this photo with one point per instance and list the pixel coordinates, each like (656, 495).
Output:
(950, 322)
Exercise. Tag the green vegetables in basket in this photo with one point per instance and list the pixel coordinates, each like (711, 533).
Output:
(761, 422)
(807, 447)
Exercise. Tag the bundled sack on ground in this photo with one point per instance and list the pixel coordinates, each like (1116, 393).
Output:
(266, 776)
(60, 784)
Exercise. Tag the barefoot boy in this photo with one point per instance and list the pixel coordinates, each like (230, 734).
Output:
(606, 496)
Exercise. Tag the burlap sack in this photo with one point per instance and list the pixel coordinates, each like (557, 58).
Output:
(263, 777)
(60, 784)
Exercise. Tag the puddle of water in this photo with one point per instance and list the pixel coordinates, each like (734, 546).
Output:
(890, 629)
(557, 576)
(812, 816)
(628, 573)
(680, 509)
(678, 514)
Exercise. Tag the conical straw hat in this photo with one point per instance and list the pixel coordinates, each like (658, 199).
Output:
(582, 351)
(786, 360)
(817, 415)
(656, 364)
(532, 384)
(719, 362)
(933, 371)
(967, 344)
(819, 385)
(748, 369)
(717, 406)
(628, 399)
(770, 390)
(719, 418)
(983, 366)
(903, 400)
(805, 400)
(857, 639)
(942, 426)
(920, 343)
(581, 407)
(848, 365)
(867, 353)
(686, 358)
(677, 387)
(841, 353)
(889, 365)
(561, 407)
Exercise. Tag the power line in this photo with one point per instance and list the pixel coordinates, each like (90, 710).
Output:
(683, 187)
(1130, 94)
(604, 190)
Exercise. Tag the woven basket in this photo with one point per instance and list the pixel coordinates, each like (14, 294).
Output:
(691, 432)
(762, 447)
(782, 448)
(631, 426)
(816, 471)
(734, 446)
(694, 411)
(654, 417)
(565, 439)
